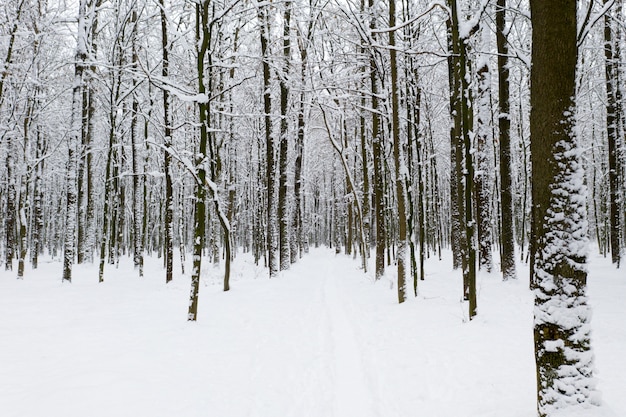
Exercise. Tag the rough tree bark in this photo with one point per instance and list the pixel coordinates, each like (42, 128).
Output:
(199, 219)
(377, 155)
(507, 254)
(484, 140)
(272, 241)
(72, 143)
(463, 132)
(283, 209)
(457, 212)
(612, 131)
(136, 154)
(167, 156)
(398, 158)
(561, 316)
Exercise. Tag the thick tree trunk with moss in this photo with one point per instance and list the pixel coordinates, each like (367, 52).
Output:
(561, 323)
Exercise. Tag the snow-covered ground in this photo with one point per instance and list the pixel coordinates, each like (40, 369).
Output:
(321, 340)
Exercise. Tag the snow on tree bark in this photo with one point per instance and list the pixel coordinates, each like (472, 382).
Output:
(167, 157)
(72, 144)
(460, 31)
(612, 121)
(507, 254)
(484, 139)
(272, 238)
(398, 157)
(23, 201)
(297, 237)
(378, 158)
(136, 156)
(38, 196)
(199, 219)
(283, 209)
(563, 353)
(9, 221)
(457, 206)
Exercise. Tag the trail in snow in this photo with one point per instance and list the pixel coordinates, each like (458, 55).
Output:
(321, 340)
(352, 395)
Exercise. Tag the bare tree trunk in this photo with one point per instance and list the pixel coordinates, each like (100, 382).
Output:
(10, 161)
(38, 220)
(23, 201)
(420, 191)
(456, 146)
(507, 254)
(136, 155)
(115, 204)
(562, 347)
(298, 227)
(612, 128)
(378, 156)
(413, 116)
(272, 242)
(283, 209)
(73, 141)
(9, 221)
(464, 126)
(85, 194)
(367, 194)
(398, 159)
(470, 219)
(202, 41)
(484, 181)
(120, 242)
(167, 157)
(181, 228)
(107, 194)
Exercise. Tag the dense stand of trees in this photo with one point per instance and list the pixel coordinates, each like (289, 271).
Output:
(396, 129)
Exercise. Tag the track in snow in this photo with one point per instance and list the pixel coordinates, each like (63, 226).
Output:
(321, 340)
(352, 395)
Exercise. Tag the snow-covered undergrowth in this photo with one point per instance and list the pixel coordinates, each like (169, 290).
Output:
(320, 340)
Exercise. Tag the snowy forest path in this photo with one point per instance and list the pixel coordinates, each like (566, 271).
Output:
(322, 339)
(353, 393)
(304, 321)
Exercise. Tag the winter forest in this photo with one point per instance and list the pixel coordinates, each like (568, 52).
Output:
(312, 207)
